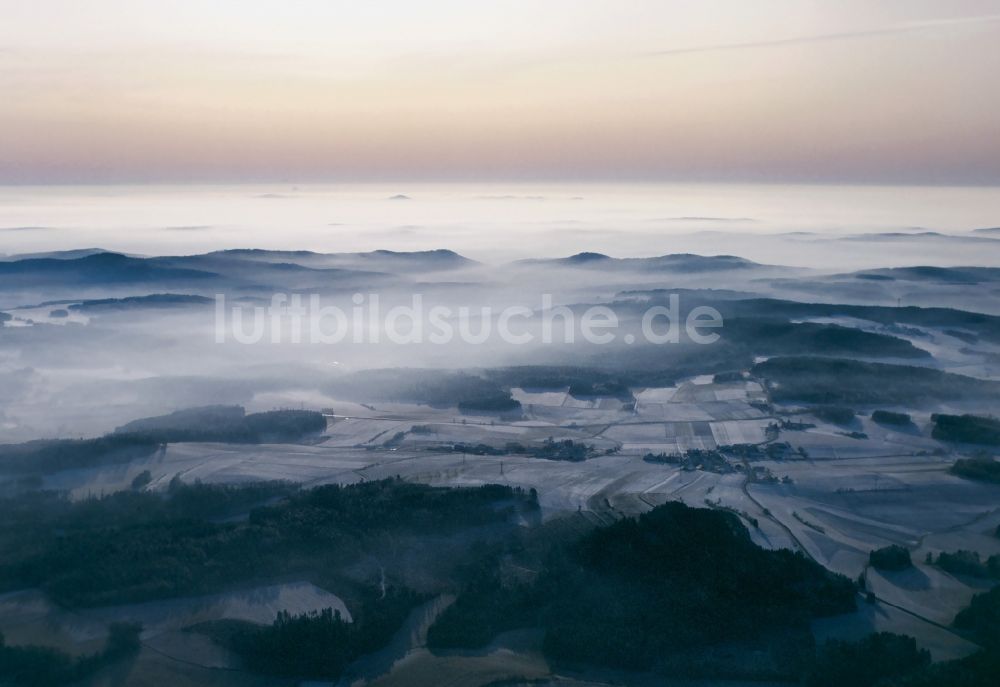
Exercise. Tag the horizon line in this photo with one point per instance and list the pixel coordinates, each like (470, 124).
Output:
(509, 181)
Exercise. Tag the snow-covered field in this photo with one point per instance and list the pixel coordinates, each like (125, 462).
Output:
(836, 497)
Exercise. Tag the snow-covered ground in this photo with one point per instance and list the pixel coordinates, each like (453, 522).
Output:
(836, 500)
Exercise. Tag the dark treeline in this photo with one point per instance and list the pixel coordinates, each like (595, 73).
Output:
(142, 438)
(227, 424)
(767, 336)
(888, 417)
(136, 546)
(867, 662)
(67, 454)
(892, 557)
(654, 365)
(968, 429)
(838, 381)
(579, 381)
(728, 377)
(776, 326)
(837, 415)
(981, 618)
(317, 645)
(678, 590)
(764, 326)
(50, 510)
(986, 326)
(982, 468)
(566, 449)
(431, 387)
(654, 592)
(39, 666)
(886, 660)
(490, 404)
(978, 670)
(153, 300)
(964, 562)
(685, 592)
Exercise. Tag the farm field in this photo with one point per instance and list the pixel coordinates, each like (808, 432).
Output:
(834, 497)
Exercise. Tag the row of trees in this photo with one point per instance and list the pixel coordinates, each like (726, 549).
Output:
(227, 424)
(981, 468)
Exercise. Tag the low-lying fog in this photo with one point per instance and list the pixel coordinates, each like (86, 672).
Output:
(814, 226)
(91, 340)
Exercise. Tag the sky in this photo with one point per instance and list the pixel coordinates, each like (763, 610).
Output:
(846, 91)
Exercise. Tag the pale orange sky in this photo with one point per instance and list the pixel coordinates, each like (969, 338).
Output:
(231, 90)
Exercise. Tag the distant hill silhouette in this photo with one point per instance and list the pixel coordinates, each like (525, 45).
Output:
(677, 262)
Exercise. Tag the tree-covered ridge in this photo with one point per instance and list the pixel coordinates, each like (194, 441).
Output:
(45, 455)
(841, 381)
(671, 581)
(865, 663)
(986, 326)
(227, 424)
(579, 381)
(777, 336)
(142, 438)
(680, 591)
(432, 387)
(138, 546)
